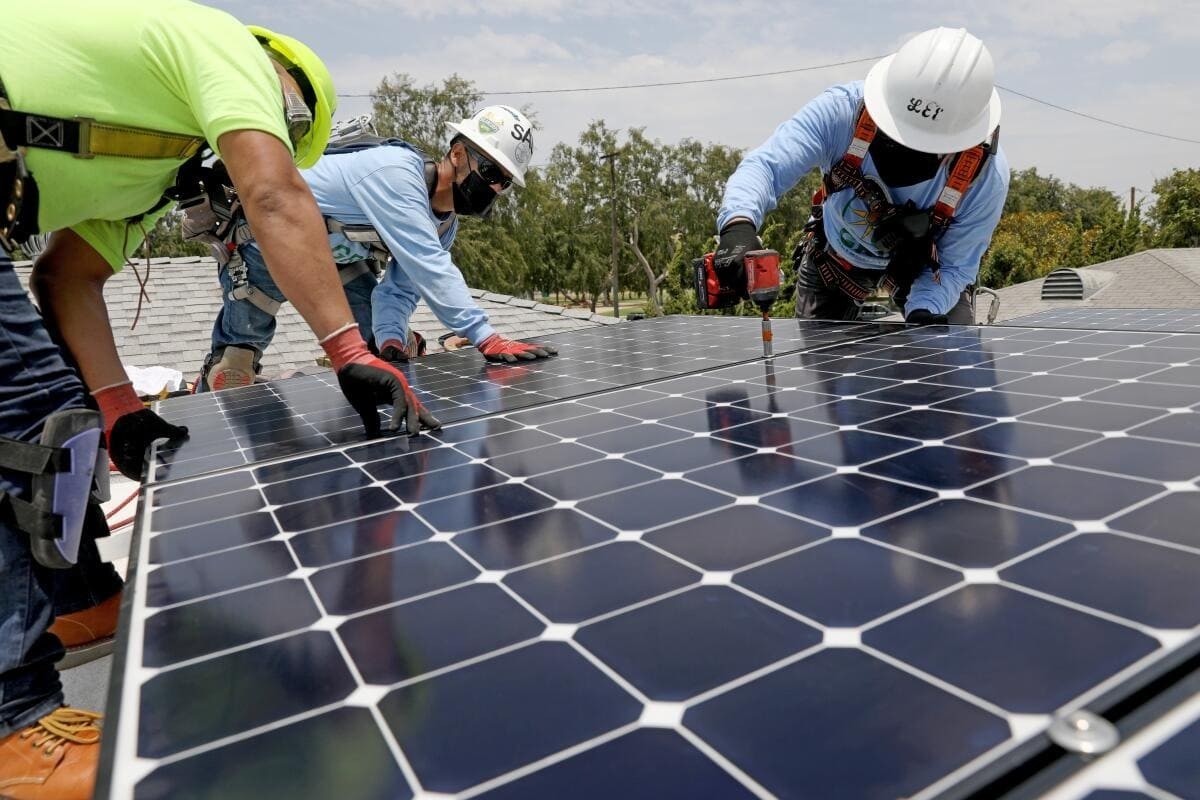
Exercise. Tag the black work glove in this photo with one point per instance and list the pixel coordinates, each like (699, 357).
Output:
(130, 436)
(923, 316)
(367, 386)
(737, 239)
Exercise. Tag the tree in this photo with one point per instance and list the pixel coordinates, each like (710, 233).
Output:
(418, 114)
(1176, 212)
(1028, 245)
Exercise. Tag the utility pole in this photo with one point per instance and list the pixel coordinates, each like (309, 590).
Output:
(611, 158)
(1132, 189)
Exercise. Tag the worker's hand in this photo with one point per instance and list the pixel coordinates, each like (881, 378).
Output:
(497, 348)
(737, 239)
(368, 382)
(923, 316)
(395, 350)
(130, 427)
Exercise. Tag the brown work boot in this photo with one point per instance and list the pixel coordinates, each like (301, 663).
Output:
(55, 758)
(87, 634)
(235, 368)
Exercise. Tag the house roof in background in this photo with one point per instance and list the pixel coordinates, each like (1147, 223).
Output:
(175, 328)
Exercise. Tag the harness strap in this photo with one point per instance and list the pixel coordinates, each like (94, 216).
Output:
(33, 459)
(25, 516)
(84, 137)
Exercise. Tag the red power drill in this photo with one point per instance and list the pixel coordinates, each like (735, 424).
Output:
(762, 281)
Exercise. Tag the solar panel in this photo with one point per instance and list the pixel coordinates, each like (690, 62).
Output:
(874, 568)
(286, 418)
(1121, 319)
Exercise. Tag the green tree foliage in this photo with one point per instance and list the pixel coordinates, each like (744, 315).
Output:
(418, 114)
(1176, 213)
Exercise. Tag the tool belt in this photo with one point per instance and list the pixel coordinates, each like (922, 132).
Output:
(62, 467)
(18, 192)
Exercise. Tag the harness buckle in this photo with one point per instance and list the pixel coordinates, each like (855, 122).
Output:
(85, 138)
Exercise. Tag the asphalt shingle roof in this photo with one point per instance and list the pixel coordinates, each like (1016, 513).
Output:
(176, 325)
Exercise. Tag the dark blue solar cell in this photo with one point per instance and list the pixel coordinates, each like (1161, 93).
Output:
(532, 538)
(213, 536)
(625, 397)
(1057, 385)
(1186, 376)
(1116, 794)
(734, 537)
(844, 583)
(597, 477)
(552, 413)
(1173, 765)
(847, 500)
(1065, 492)
(173, 470)
(910, 371)
(359, 537)
(199, 511)
(968, 533)
(683, 645)
(1030, 363)
(218, 623)
(199, 577)
(266, 765)
(647, 764)
(407, 640)
(846, 448)
(1093, 416)
(774, 432)
(913, 394)
(503, 443)
(471, 724)
(843, 724)
(596, 422)
(758, 474)
(943, 467)
(418, 463)
(1023, 439)
(1140, 581)
(1022, 653)
(584, 585)
(927, 424)
(975, 377)
(321, 511)
(650, 505)
(687, 454)
(325, 483)
(994, 404)
(471, 430)
(389, 577)
(430, 486)
(392, 446)
(633, 437)
(494, 504)
(1176, 428)
(544, 459)
(1144, 458)
(1171, 518)
(240, 691)
(1116, 370)
(300, 467)
(202, 489)
(849, 412)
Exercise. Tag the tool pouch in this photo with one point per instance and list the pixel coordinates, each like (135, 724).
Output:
(62, 467)
(18, 197)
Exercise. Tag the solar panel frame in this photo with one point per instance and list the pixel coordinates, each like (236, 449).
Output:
(844, 365)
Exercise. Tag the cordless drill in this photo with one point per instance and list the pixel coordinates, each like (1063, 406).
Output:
(720, 286)
(762, 285)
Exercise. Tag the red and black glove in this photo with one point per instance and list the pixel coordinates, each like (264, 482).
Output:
(923, 316)
(395, 350)
(497, 348)
(130, 427)
(368, 382)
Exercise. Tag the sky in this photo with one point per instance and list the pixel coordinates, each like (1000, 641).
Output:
(1129, 62)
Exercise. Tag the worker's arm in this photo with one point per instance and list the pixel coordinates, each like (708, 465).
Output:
(287, 226)
(290, 232)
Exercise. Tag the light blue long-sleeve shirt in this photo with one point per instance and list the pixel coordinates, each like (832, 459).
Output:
(384, 187)
(817, 136)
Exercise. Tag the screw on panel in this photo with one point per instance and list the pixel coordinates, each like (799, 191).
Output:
(1084, 732)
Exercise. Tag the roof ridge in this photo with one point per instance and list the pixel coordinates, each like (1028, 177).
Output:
(546, 308)
(1153, 253)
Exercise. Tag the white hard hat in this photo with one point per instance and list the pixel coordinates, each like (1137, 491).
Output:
(504, 134)
(937, 93)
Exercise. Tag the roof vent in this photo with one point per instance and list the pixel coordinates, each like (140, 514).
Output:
(1073, 284)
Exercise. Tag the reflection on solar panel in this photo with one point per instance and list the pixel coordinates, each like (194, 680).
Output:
(1114, 319)
(291, 417)
(872, 568)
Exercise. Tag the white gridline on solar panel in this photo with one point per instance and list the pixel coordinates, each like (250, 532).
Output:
(779, 555)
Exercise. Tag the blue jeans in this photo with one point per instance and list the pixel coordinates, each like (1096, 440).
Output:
(35, 382)
(244, 324)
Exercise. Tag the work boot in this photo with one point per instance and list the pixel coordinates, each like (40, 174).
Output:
(87, 634)
(55, 758)
(235, 368)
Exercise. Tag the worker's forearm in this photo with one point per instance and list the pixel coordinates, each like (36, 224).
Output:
(68, 284)
(291, 235)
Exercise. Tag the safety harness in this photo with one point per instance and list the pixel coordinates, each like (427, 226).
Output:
(911, 234)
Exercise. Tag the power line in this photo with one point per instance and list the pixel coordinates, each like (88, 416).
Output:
(577, 89)
(1097, 119)
(811, 68)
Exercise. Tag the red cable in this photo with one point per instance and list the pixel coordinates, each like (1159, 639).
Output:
(121, 524)
(121, 505)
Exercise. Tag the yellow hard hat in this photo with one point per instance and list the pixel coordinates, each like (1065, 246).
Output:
(299, 55)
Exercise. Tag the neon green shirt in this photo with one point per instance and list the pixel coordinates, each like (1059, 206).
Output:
(168, 65)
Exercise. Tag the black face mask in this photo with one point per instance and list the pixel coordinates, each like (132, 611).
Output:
(898, 165)
(473, 196)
